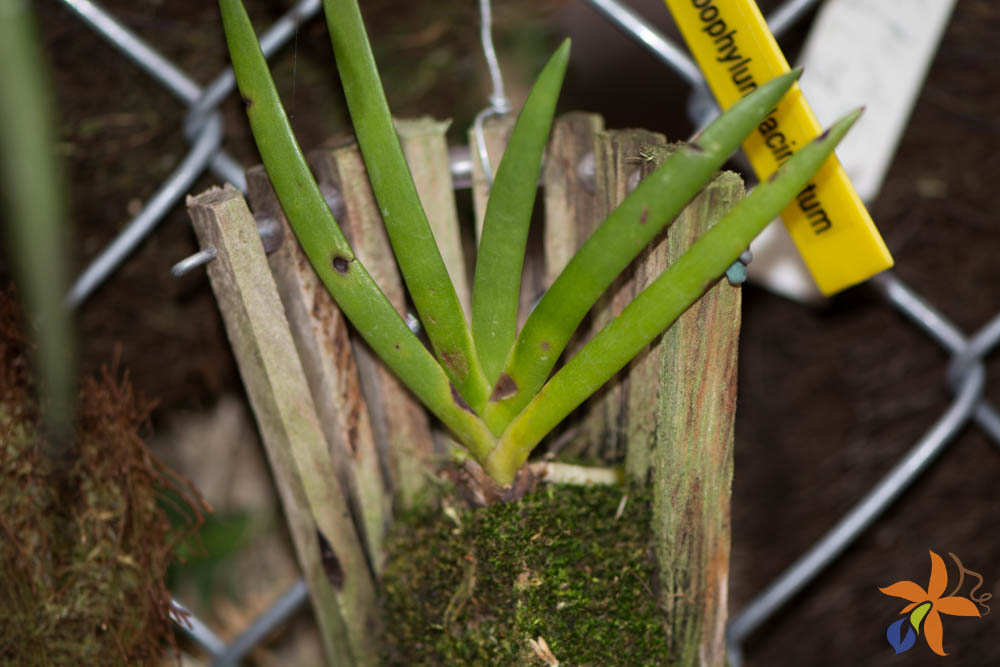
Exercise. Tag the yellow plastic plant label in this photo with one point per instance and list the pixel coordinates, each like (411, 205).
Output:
(828, 222)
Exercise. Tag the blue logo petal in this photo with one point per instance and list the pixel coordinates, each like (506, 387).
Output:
(897, 640)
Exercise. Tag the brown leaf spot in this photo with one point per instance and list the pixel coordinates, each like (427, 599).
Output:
(645, 215)
(455, 361)
(506, 387)
(545, 345)
(340, 264)
(459, 401)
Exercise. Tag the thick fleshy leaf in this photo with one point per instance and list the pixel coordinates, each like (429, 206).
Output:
(616, 242)
(939, 577)
(957, 606)
(901, 636)
(906, 590)
(918, 615)
(508, 215)
(406, 224)
(327, 248)
(657, 306)
(934, 632)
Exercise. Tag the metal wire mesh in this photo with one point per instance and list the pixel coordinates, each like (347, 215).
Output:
(203, 125)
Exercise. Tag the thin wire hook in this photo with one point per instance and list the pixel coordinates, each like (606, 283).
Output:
(499, 104)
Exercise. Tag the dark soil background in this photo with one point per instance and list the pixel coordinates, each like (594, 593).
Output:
(830, 399)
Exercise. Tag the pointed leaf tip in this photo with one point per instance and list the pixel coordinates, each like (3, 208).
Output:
(837, 131)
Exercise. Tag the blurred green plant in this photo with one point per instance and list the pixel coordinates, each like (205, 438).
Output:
(205, 557)
(490, 385)
(33, 199)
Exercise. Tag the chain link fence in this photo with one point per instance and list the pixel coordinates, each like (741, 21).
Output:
(203, 127)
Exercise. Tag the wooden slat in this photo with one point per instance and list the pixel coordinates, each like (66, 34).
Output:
(329, 549)
(398, 421)
(643, 372)
(570, 201)
(618, 161)
(322, 339)
(571, 215)
(692, 458)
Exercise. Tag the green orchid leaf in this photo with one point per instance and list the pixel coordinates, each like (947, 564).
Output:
(616, 242)
(508, 214)
(656, 307)
(33, 202)
(412, 241)
(357, 295)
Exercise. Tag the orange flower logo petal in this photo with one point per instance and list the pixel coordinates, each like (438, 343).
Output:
(902, 635)
(939, 577)
(906, 590)
(957, 606)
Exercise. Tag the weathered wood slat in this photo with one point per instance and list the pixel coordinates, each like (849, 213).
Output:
(643, 372)
(570, 200)
(692, 459)
(618, 160)
(330, 551)
(322, 339)
(399, 422)
(571, 215)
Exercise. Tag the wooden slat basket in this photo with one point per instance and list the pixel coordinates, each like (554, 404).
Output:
(350, 446)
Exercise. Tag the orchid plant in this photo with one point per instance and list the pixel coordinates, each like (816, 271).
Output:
(491, 385)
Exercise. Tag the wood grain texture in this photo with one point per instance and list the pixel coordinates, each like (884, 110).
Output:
(328, 546)
(618, 164)
(570, 201)
(571, 215)
(643, 373)
(399, 422)
(692, 454)
(322, 339)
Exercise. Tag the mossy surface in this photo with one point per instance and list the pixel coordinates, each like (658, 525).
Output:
(475, 587)
(84, 547)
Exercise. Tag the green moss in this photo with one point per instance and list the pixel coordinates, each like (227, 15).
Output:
(556, 565)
